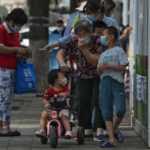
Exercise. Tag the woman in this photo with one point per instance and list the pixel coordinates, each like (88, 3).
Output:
(85, 49)
(9, 48)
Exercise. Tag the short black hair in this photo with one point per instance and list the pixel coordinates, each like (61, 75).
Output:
(99, 24)
(93, 6)
(53, 75)
(108, 6)
(60, 21)
(18, 16)
(83, 25)
(113, 31)
(80, 1)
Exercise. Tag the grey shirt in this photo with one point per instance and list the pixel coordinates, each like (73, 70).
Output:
(115, 57)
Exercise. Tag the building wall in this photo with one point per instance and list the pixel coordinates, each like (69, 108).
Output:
(139, 65)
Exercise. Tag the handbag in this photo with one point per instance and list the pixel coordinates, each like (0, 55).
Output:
(25, 78)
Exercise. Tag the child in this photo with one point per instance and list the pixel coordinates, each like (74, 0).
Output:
(99, 27)
(111, 64)
(58, 81)
(98, 122)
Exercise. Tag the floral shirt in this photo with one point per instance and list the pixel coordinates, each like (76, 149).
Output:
(84, 69)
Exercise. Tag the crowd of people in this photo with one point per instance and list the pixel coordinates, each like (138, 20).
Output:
(92, 48)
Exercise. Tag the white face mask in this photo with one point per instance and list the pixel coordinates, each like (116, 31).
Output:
(59, 29)
(63, 81)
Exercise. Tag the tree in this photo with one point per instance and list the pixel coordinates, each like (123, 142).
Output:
(73, 5)
(39, 22)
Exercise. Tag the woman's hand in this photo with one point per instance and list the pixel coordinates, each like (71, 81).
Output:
(51, 46)
(81, 44)
(23, 51)
(128, 30)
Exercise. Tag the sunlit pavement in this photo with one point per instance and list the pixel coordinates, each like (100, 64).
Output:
(26, 116)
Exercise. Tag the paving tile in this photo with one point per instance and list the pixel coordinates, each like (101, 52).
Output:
(27, 120)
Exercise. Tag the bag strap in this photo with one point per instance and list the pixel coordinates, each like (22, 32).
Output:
(22, 62)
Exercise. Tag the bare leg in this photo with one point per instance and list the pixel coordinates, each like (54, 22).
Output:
(43, 120)
(109, 126)
(66, 122)
(116, 125)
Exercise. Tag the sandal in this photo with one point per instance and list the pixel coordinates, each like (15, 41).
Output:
(106, 144)
(10, 133)
(6, 134)
(16, 133)
(119, 137)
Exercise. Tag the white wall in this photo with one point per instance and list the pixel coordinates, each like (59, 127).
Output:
(148, 75)
(132, 49)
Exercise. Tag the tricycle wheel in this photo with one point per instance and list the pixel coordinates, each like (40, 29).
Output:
(53, 137)
(44, 140)
(80, 135)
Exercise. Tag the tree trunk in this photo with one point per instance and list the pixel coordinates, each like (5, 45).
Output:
(39, 22)
(73, 5)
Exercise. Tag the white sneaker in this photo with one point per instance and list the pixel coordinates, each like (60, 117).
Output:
(88, 132)
(68, 135)
(40, 133)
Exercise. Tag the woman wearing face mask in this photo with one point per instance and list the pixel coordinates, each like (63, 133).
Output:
(85, 49)
(74, 17)
(9, 48)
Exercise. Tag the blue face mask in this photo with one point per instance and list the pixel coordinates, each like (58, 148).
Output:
(112, 15)
(86, 40)
(104, 41)
(92, 18)
(83, 16)
(16, 29)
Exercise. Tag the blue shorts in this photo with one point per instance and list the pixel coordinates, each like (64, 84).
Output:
(112, 92)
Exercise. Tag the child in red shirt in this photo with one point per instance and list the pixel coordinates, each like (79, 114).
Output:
(58, 81)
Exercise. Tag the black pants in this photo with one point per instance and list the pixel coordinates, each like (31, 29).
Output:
(74, 103)
(88, 94)
(98, 119)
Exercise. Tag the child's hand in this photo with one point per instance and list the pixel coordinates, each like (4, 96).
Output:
(63, 67)
(47, 105)
(104, 66)
(63, 95)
